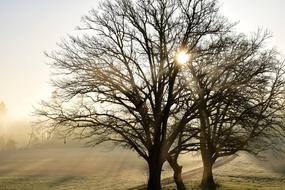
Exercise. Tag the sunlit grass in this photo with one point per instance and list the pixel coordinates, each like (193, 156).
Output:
(238, 183)
(79, 168)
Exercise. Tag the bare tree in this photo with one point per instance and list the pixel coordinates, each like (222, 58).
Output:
(120, 80)
(186, 142)
(239, 89)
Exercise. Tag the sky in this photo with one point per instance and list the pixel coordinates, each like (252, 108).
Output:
(27, 29)
(30, 27)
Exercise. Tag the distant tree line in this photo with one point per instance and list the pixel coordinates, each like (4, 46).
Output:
(165, 77)
(7, 144)
(40, 137)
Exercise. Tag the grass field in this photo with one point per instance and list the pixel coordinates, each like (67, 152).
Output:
(72, 168)
(242, 173)
(86, 168)
(239, 183)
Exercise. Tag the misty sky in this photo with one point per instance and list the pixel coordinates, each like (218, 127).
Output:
(30, 27)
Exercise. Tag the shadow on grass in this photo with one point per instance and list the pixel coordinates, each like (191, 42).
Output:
(61, 180)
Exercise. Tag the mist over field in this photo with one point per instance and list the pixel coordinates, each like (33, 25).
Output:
(31, 160)
(53, 164)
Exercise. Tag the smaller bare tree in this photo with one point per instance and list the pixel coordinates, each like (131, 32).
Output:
(239, 89)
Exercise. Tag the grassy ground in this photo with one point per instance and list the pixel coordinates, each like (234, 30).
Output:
(62, 183)
(92, 169)
(239, 183)
(72, 169)
(243, 173)
(93, 182)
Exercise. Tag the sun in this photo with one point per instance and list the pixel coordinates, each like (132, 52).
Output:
(182, 57)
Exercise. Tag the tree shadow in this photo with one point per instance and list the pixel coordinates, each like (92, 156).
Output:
(61, 180)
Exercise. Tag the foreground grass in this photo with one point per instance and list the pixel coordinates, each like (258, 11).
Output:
(93, 182)
(62, 183)
(91, 169)
(239, 183)
(258, 183)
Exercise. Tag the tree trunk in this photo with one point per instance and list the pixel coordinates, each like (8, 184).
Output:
(154, 175)
(207, 179)
(206, 148)
(155, 166)
(177, 173)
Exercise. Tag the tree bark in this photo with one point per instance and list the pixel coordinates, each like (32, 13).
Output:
(154, 174)
(206, 148)
(155, 166)
(207, 182)
(177, 169)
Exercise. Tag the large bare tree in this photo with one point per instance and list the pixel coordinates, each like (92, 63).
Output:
(120, 80)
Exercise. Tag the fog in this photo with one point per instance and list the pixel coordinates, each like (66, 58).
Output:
(55, 163)
(35, 157)
(58, 163)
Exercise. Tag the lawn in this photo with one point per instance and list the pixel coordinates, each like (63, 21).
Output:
(86, 168)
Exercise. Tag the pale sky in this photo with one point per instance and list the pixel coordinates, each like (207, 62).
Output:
(30, 27)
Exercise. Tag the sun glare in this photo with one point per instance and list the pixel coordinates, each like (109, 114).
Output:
(182, 57)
